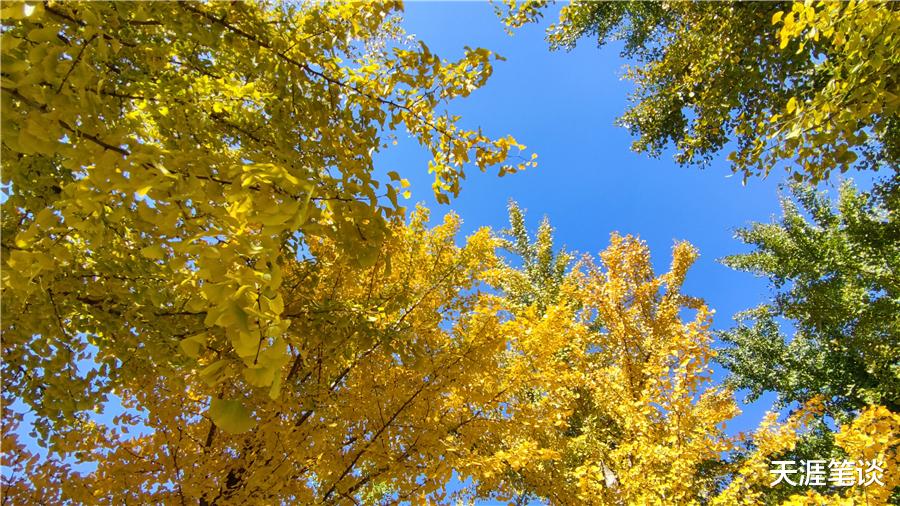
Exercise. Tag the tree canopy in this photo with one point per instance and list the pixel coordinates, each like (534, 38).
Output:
(167, 160)
(834, 273)
(807, 86)
(416, 368)
(209, 297)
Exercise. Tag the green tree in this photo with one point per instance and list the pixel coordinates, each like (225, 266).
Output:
(836, 277)
(808, 86)
(835, 274)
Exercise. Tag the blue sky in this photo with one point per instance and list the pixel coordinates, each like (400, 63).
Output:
(562, 105)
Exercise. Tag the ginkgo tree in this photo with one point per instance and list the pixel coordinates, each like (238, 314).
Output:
(614, 401)
(192, 230)
(615, 386)
(164, 162)
(807, 86)
(392, 376)
(420, 366)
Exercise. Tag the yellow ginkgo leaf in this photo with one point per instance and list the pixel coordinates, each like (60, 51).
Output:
(153, 252)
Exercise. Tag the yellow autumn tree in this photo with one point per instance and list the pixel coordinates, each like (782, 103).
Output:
(612, 399)
(749, 478)
(613, 402)
(163, 164)
(392, 374)
(411, 370)
(192, 230)
(872, 437)
(406, 371)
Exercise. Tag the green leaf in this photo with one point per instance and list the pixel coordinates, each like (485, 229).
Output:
(210, 373)
(847, 157)
(191, 346)
(259, 376)
(231, 416)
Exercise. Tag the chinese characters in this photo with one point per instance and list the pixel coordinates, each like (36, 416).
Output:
(819, 473)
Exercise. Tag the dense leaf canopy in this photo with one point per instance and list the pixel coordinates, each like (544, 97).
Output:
(209, 298)
(167, 161)
(808, 86)
(835, 275)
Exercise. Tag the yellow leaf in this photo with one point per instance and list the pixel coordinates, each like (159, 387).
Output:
(275, 389)
(791, 105)
(43, 34)
(246, 344)
(209, 374)
(142, 191)
(154, 252)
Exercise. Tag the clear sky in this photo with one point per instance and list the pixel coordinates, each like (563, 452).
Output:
(562, 105)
